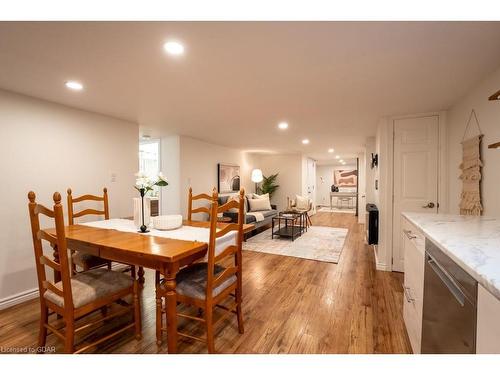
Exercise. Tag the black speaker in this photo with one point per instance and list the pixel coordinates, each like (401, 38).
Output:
(371, 224)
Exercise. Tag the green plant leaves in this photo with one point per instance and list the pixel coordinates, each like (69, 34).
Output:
(269, 185)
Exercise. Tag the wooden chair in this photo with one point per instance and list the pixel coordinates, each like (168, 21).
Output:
(77, 296)
(202, 209)
(87, 261)
(208, 284)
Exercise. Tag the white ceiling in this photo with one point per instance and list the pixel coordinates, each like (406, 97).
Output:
(330, 80)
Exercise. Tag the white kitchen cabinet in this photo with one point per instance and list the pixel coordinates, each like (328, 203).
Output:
(488, 329)
(413, 242)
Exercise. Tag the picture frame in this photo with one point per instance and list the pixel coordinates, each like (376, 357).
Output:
(228, 178)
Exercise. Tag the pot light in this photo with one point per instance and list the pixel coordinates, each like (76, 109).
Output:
(305, 141)
(337, 157)
(174, 48)
(341, 161)
(330, 150)
(283, 125)
(73, 85)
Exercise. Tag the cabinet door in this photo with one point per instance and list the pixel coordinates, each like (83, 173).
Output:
(414, 260)
(488, 329)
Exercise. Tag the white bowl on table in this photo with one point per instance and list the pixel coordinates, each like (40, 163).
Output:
(167, 222)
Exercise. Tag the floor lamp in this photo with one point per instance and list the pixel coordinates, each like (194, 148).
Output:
(257, 177)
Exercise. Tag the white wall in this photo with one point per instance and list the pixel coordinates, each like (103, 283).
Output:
(488, 113)
(170, 166)
(198, 167)
(383, 195)
(324, 181)
(362, 188)
(48, 147)
(369, 172)
(290, 176)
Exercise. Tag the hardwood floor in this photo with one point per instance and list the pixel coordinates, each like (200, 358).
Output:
(290, 305)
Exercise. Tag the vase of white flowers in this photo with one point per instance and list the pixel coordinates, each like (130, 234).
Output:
(145, 184)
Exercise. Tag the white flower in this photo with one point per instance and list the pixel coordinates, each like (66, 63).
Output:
(143, 182)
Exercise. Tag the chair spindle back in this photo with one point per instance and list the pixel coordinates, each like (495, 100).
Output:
(202, 209)
(35, 210)
(89, 211)
(235, 249)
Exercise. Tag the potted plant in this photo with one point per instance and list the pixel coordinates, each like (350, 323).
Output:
(269, 185)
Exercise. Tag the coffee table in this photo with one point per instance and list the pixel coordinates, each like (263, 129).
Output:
(291, 228)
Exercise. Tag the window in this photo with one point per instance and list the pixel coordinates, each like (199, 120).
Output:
(149, 160)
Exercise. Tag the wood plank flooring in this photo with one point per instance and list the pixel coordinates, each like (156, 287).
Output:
(291, 305)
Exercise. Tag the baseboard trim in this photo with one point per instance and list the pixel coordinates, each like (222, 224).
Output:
(18, 298)
(379, 266)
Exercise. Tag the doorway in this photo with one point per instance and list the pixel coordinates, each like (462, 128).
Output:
(150, 164)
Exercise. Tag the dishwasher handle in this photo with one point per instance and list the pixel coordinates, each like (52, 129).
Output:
(447, 280)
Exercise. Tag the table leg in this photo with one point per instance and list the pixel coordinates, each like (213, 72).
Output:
(55, 254)
(140, 274)
(159, 314)
(57, 274)
(171, 308)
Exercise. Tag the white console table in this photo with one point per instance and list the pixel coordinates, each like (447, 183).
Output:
(342, 194)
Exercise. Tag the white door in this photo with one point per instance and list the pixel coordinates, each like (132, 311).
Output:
(415, 174)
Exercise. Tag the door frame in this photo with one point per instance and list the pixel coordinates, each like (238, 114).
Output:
(387, 179)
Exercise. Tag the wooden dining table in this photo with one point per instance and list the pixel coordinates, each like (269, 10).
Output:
(166, 255)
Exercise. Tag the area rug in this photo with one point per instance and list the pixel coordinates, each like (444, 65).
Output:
(338, 210)
(323, 244)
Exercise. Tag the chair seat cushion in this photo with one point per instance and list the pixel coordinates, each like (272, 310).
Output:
(192, 281)
(85, 260)
(89, 286)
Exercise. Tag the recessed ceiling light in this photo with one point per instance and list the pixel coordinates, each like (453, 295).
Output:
(283, 125)
(330, 150)
(305, 141)
(174, 48)
(337, 157)
(341, 161)
(73, 85)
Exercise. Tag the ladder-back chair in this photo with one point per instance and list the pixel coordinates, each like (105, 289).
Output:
(208, 284)
(201, 209)
(87, 261)
(77, 296)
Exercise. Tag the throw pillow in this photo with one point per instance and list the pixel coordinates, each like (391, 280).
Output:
(259, 205)
(301, 203)
(263, 196)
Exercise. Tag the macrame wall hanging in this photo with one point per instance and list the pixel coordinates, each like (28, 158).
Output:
(470, 199)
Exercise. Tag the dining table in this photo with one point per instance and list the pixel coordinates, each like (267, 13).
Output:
(164, 251)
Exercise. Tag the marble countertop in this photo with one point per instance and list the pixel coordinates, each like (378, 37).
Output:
(472, 242)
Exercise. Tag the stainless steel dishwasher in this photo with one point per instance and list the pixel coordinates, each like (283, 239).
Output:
(450, 305)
